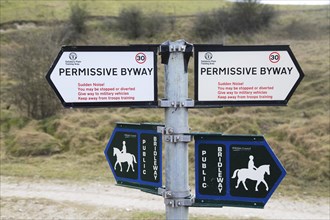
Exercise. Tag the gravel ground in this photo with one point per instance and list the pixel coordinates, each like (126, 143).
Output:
(44, 199)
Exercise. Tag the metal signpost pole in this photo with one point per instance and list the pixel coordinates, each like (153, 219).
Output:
(176, 126)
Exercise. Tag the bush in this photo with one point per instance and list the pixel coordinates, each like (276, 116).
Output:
(250, 17)
(9, 119)
(243, 17)
(208, 25)
(133, 24)
(78, 17)
(29, 62)
(153, 24)
(130, 22)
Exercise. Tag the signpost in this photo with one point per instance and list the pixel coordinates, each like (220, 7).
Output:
(231, 170)
(235, 170)
(134, 154)
(245, 75)
(105, 76)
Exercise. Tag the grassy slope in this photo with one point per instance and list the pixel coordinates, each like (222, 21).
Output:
(59, 10)
(298, 133)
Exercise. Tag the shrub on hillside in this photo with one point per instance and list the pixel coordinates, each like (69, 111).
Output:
(133, 24)
(130, 22)
(78, 16)
(250, 17)
(153, 24)
(208, 25)
(10, 119)
(242, 18)
(76, 25)
(28, 63)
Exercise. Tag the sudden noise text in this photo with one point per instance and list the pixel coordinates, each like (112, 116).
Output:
(105, 71)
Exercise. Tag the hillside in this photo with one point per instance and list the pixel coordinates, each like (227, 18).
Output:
(74, 139)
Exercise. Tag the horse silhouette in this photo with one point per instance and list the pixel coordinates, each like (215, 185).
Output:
(122, 158)
(257, 175)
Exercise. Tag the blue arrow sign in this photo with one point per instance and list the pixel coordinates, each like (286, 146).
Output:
(235, 170)
(134, 154)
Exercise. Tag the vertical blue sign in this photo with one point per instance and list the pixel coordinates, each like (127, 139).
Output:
(134, 154)
(235, 170)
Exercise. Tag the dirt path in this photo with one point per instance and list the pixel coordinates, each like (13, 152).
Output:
(41, 199)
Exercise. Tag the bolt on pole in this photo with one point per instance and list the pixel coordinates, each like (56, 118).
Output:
(175, 56)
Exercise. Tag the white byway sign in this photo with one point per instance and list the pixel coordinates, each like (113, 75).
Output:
(245, 75)
(105, 76)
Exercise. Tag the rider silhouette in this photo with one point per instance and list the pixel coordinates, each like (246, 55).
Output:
(251, 163)
(124, 148)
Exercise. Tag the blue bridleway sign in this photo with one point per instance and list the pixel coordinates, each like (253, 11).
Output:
(235, 170)
(134, 154)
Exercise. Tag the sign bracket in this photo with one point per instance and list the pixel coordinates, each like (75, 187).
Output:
(170, 136)
(176, 199)
(165, 103)
(179, 202)
(167, 194)
(178, 138)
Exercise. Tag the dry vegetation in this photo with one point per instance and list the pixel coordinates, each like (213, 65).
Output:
(70, 144)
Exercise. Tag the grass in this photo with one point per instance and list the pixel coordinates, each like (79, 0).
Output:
(299, 133)
(59, 10)
(67, 167)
